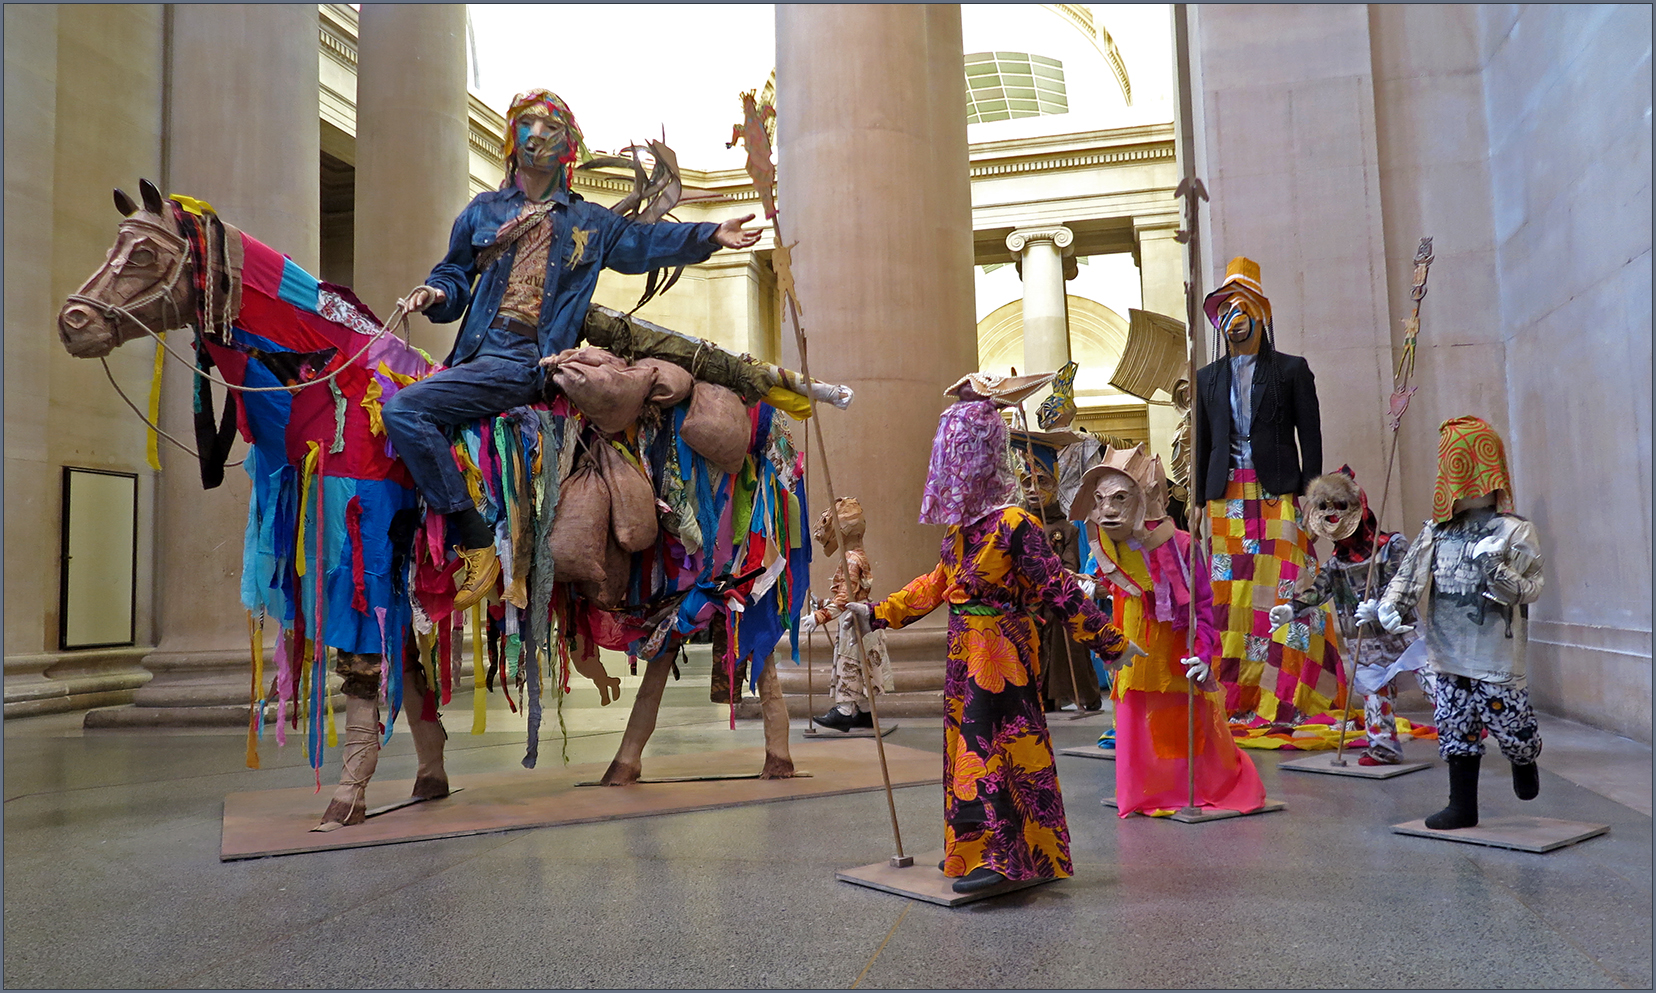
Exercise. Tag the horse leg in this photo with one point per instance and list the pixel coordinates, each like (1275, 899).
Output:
(778, 764)
(430, 780)
(362, 737)
(628, 762)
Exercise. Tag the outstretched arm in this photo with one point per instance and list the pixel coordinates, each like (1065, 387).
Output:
(635, 247)
(1056, 588)
(913, 601)
(447, 290)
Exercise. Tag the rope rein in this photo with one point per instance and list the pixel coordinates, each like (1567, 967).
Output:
(398, 317)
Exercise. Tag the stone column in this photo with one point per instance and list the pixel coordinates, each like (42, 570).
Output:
(870, 97)
(242, 135)
(1046, 345)
(412, 160)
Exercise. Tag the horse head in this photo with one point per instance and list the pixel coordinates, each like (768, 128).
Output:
(141, 284)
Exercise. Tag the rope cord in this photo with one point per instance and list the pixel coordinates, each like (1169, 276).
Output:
(399, 316)
(145, 418)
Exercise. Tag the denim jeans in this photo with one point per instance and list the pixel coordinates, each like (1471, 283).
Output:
(417, 417)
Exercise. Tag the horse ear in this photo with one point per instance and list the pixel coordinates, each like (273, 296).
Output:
(151, 195)
(124, 204)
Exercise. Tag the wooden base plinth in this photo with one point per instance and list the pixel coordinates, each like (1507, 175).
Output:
(1107, 754)
(814, 733)
(279, 822)
(1323, 762)
(924, 881)
(1204, 814)
(1525, 834)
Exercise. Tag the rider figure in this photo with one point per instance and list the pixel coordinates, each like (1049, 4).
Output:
(538, 248)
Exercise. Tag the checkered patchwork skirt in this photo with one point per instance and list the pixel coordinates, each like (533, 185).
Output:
(1259, 551)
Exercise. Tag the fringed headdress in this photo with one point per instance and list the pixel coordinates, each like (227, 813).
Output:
(556, 110)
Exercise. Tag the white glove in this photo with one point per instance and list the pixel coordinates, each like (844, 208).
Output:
(1089, 586)
(1123, 660)
(1386, 614)
(1281, 614)
(808, 622)
(1365, 611)
(1196, 668)
(862, 612)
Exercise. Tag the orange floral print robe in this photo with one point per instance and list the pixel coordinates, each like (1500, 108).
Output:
(1002, 807)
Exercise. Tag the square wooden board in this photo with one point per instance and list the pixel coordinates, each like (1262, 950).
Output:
(1526, 834)
(925, 881)
(279, 822)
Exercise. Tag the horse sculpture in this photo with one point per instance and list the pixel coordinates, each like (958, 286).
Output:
(340, 552)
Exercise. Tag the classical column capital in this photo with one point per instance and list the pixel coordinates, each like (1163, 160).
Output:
(1056, 233)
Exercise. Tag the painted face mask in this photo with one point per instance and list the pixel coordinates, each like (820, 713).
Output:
(1118, 505)
(555, 140)
(1333, 506)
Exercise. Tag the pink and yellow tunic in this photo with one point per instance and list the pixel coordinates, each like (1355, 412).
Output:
(1152, 592)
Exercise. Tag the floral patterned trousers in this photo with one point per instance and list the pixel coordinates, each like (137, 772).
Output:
(1465, 707)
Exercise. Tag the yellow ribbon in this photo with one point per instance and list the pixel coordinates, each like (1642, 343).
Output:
(255, 705)
(480, 664)
(151, 449)
(307, 468)
(191, 204)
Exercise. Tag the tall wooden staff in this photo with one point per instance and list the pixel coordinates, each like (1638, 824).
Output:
(1401, 392)
(763, 172)
(1191, 190)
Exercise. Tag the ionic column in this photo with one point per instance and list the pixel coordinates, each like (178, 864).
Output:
(243, 136)
(869, 97)
(1045, 317)
(412, 163)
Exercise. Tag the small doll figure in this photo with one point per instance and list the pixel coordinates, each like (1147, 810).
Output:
(846, 686)
(1471, 575)
(1337, 510)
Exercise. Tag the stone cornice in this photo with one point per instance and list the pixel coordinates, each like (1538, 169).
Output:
(337, 30)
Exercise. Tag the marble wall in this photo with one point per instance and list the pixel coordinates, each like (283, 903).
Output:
(1332, 139)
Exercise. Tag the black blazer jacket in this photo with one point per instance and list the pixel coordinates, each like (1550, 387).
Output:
(1281, 467)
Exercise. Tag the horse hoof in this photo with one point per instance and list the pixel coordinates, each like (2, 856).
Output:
(431, 787)
(777, 768)
(620, 775)
(343, 813)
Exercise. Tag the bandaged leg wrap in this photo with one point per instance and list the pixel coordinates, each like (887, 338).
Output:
(350, 802)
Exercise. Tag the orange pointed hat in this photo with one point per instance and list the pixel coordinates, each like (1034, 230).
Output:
(1241, 280)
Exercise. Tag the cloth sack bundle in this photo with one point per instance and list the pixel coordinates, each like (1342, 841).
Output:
(717, 427)
(581, 529)
(673, 383)
(603, 386)
(612, 589)
(632, 500)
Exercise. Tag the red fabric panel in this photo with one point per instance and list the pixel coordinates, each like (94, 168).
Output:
(261, 267)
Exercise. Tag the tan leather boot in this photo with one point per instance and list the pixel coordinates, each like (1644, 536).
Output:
(350, 802)
(482, 569)
(430, 779)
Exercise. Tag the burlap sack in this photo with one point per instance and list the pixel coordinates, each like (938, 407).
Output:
(632, 500)
(672, 383)
(581, 528)
(603, 387)
(717, 427)
(612, 590)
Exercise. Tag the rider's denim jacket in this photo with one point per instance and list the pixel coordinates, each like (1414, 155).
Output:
(610, 240)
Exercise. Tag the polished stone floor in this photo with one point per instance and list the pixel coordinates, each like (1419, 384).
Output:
(112, 879)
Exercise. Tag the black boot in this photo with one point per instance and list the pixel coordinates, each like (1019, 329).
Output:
(1462, 811)
(981, 878)
(1526, 780)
